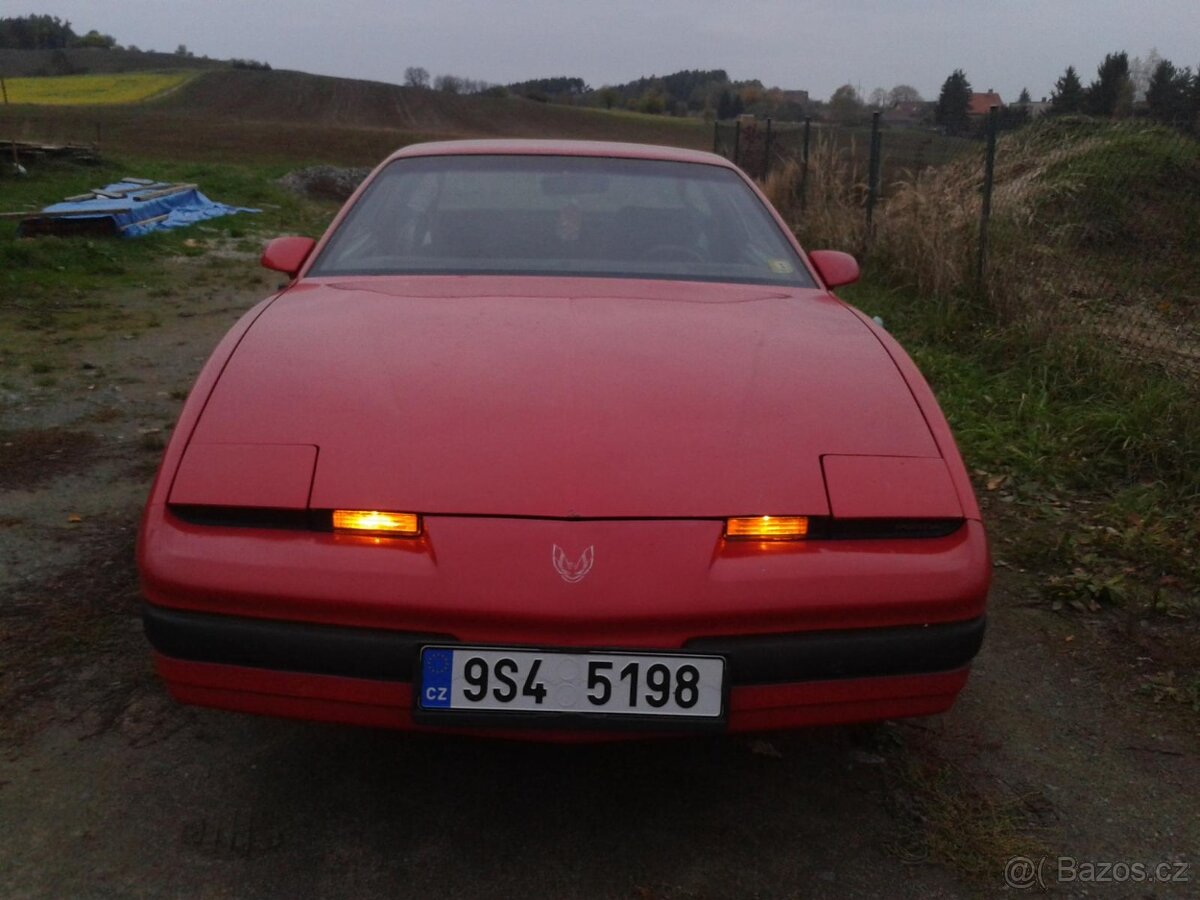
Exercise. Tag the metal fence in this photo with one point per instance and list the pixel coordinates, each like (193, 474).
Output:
(1076, 226)
(758, 146)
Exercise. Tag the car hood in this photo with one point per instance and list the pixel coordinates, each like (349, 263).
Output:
(562, 397)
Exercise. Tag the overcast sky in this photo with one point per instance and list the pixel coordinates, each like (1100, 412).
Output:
(815, 45)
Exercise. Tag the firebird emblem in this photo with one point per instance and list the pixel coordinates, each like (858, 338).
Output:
(572, 572)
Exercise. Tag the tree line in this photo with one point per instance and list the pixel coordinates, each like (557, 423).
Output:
(47, 33)
(1171, 95)
(848, 106)
(52, 33)
(1155, 88)
(689, 92)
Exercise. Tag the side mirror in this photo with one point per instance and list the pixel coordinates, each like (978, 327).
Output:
(834, 267)
(287, 254)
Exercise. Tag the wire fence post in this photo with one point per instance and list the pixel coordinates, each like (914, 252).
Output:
(767, 151)
(873, 172)
(737, 140)
(804, 163)
(989, 177)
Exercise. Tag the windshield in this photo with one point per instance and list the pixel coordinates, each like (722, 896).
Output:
(561, 215)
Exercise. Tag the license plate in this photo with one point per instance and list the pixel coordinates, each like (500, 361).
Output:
(492, 679)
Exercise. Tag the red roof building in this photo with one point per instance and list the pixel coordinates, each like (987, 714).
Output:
(981, 103)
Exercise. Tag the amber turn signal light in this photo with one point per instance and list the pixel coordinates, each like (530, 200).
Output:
(767, 528)
(371, 521)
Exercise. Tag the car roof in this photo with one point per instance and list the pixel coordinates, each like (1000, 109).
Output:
(519, 147)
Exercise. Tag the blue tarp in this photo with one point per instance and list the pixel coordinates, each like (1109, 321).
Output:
(132, 217)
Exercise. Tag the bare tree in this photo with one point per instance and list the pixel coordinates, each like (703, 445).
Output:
(880, 98)
(905, 93)
(416, 76)
(1141, 71)
(449, 84)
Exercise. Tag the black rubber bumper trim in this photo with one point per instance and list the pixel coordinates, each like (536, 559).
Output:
(856, 653)
(285, 646)
(391, 655)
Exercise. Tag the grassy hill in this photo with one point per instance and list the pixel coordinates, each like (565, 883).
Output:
(232, 114)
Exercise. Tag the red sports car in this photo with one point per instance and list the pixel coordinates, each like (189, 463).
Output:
(562, 440)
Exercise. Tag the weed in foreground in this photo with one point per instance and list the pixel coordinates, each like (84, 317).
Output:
(949, 817)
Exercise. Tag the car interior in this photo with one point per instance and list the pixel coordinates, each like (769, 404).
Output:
(561, 216)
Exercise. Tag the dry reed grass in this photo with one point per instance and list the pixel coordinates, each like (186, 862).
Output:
(921, 236)
(1042, 276)
(824, 207)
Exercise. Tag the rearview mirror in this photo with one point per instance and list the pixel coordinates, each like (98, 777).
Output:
(834, 267)
(287, 254)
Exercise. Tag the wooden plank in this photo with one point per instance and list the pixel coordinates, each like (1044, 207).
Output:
(166, 192)
(149, 221)
(65, 214)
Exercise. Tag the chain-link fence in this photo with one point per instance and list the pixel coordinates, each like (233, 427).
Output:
(757, 147)
(1071, 226)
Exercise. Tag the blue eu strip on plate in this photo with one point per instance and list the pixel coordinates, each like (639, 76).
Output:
(437, 668)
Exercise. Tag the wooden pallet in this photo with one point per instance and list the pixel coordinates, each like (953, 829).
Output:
(31, 150)
(98, 220)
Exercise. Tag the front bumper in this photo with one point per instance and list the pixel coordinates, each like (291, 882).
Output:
(327, 626)
(364, 676)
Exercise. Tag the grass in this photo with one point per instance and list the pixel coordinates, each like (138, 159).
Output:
(57, 292)
(684, 123)
(902, 149)
(1091, 222)
(93, 90)
(948, 818)
(1093, 466)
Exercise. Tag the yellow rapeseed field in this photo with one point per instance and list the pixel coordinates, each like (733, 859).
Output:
(77, 90)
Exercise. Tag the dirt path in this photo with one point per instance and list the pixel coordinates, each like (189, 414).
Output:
(107, 789)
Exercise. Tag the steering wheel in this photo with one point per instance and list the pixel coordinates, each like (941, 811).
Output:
(671, 253)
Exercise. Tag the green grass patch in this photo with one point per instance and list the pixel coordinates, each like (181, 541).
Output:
(953, 818)
(656, 119)
(1099, 459)
(1126, 196)
(55, 289)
